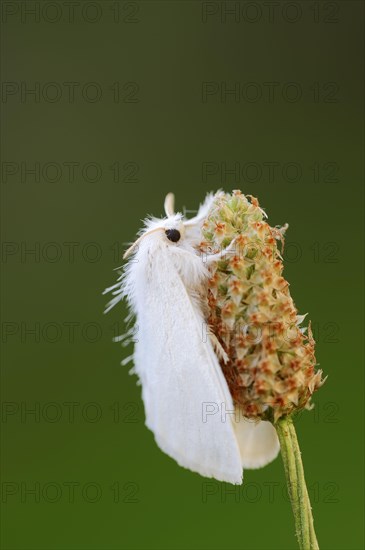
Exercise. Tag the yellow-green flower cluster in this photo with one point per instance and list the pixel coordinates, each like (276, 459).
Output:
(271, 363)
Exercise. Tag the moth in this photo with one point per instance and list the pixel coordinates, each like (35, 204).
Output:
(188, 406)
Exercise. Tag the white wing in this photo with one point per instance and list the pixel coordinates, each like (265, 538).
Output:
(258, 442)
(180, 374)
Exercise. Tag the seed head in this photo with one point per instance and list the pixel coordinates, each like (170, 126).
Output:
(271, 367)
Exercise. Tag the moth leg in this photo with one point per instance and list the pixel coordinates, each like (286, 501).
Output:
(202, 212)
(218, 348)
(219, 255)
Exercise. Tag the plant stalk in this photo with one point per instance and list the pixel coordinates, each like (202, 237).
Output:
(297, 487)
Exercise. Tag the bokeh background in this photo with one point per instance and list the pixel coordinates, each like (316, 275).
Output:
(106, 107)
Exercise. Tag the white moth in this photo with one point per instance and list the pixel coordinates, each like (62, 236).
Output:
(187, 402)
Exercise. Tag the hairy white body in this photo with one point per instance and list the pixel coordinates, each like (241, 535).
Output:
(187, 401)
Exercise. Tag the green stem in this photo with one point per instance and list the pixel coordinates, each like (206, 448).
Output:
(297, 487)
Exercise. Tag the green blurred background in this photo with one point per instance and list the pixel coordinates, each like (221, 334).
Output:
(143, 121)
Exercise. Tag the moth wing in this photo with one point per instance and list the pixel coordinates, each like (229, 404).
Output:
(258, 442)
(187, 401)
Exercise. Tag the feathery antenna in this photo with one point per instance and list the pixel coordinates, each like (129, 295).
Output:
(169, 204)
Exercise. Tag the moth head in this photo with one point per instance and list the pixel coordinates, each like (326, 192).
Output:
(173, 227)
(173, 234)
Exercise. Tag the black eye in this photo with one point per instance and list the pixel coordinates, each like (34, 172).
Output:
(173, 235)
